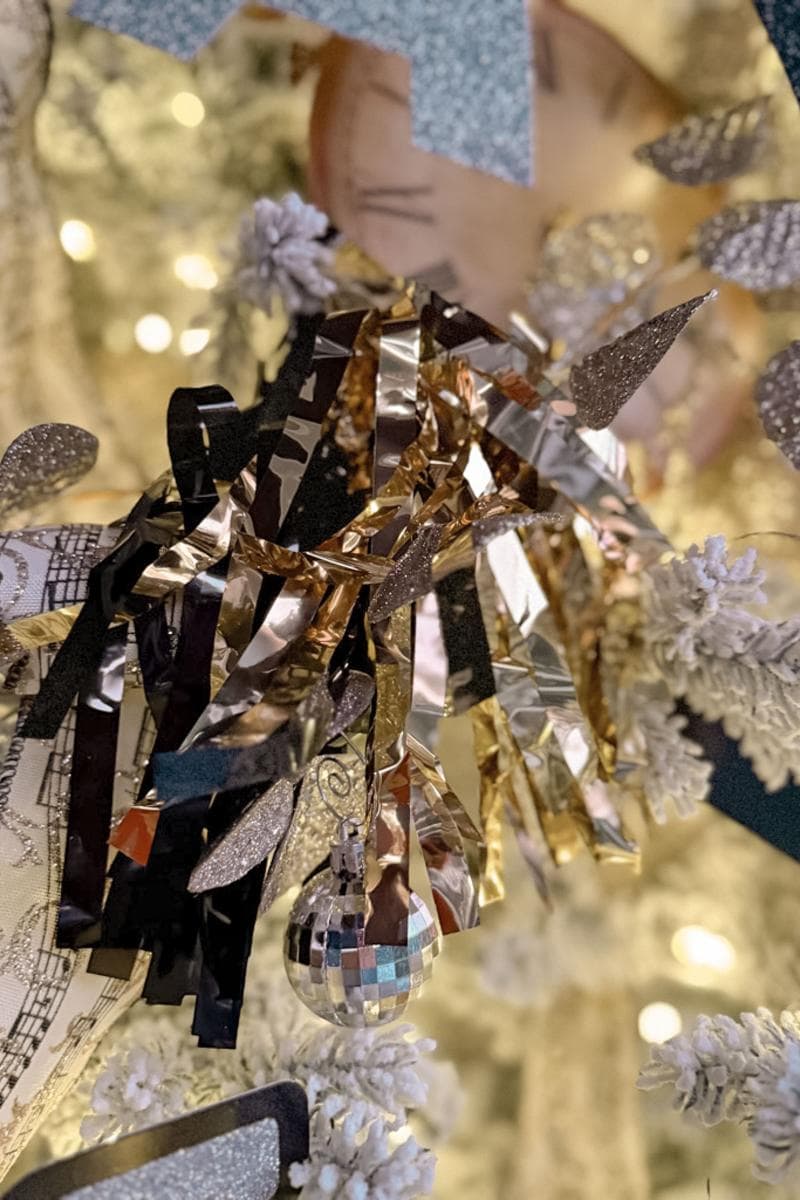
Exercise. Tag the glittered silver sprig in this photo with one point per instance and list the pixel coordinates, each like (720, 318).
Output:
(43, 461)
(755, 244)
(709, 147)
(281, 257)
(587, 269)
(778, 400)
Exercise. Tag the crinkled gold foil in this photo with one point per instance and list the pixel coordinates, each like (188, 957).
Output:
(493, 787)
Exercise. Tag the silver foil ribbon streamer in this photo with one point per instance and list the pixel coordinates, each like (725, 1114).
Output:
(451, 845)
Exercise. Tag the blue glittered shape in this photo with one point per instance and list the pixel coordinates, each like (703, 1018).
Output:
(471, 71)
(180, 26)
(782, 19)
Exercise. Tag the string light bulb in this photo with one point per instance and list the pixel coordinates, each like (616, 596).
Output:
(696, 946)
(196, 271)
(188, 109)
(192, 341)
(77, 239)
(658, 1022)
(153, 333)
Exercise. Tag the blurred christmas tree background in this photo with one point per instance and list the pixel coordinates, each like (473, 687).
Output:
(146, 165)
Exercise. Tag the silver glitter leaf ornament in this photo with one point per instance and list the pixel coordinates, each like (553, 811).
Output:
(710, 147)
(610, 375)
(249, 840)
(328, 961)
(778, 400)
(43, 461)
(755, 244)
(471, 70)
(588, 268)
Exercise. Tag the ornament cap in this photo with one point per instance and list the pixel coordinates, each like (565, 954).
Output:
(347, 853)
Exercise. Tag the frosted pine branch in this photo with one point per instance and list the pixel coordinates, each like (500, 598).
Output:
(728, 663)
(355, 1160)
(361, 1085)
(379, 1068)
(747, 1071)
(676, 774)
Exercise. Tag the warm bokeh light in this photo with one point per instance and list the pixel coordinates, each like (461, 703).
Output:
(77, 238)
(192, 341)
(188, 109)
(659, 1022)
(196, 271)
(695, 946)
(153, 333)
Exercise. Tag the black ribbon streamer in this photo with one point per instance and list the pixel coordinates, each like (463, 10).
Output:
(91, 793)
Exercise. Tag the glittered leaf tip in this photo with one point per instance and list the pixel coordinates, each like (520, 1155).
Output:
(709, 147)
(43, 461)
(248, 842)
(471, 88)
(608, 377)
(755, 244)
(778, 400)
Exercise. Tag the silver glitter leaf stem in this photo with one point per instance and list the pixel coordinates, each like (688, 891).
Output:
(609, 376)
(755, 244)
(471, 63)
(778, 400)
(709, 147)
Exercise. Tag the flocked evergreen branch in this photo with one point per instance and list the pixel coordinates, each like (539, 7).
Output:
(676, 773)
(353, 1158)
(729, 664)
(362, 1086)
(746, 1071)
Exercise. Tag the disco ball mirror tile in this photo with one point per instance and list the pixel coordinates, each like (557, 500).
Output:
(335, 972)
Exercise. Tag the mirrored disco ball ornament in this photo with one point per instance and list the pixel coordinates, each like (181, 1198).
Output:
(329, 964)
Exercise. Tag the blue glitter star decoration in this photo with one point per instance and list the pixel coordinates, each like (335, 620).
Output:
(782, 19)
(471, 70)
